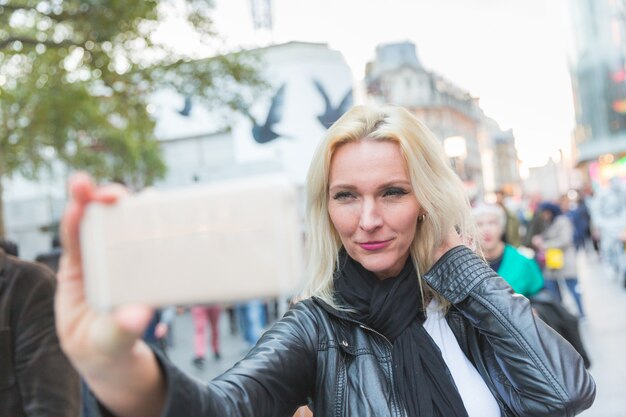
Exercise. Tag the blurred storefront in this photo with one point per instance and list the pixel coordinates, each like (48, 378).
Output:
(598, 72)
(32, 210)
(601, 172)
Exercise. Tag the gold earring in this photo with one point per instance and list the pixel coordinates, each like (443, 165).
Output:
(420, 218)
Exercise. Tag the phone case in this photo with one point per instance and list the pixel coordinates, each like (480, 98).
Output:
(228, 241)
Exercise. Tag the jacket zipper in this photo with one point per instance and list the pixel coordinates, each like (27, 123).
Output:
(394, 391)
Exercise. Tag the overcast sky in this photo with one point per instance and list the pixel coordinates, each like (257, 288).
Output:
(512, 54)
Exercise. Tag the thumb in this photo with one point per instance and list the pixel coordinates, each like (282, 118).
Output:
(134, 318)
(117, 333)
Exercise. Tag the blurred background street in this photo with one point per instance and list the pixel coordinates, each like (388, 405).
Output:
(604, 336)
(603, 332)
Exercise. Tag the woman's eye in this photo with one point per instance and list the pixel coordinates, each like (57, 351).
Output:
(343, 195)
(395, 192)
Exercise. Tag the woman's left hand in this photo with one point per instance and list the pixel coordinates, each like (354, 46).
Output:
(451, 240)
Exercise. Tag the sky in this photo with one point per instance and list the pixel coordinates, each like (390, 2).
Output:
(512, 54)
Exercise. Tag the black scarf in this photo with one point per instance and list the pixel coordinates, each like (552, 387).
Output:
(394, 308)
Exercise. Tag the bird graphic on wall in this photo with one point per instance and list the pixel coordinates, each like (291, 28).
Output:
(331, 114)
(264, 133)
(186, 110)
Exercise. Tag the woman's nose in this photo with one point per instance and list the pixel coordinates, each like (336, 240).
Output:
(371, 218)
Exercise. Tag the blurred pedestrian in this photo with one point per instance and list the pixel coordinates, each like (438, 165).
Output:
(252, 319)
(562, 321)
(9, 247)
(158, 332)
(202, 317)
(556, 242)
(608, 213)
(522, 274)
(233, 318)
(36, 379)
(534, 223)
(51, 258)
(511, 233)
(582, 223)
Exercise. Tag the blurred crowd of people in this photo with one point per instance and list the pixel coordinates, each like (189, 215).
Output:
(533, 244)
(597, 225)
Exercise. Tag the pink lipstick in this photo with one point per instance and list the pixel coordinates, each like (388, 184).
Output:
(374, 245)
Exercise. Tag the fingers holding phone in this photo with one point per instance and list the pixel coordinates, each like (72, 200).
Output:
(88, 336)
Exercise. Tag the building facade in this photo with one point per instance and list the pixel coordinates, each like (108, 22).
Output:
(311, 87)
(598, 72)
(397, 76)
(499, 158)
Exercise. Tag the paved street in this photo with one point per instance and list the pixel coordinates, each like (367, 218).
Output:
(604, 336)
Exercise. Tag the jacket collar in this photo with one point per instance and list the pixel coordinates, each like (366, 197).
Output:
(344, 327)
(340, 314)
(346, 338)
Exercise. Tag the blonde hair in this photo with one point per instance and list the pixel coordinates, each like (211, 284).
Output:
(436, 186)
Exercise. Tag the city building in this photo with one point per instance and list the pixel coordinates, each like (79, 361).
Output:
(499, 158)
(549, 181)
(598, 72)
(311, 87)
(397, 76)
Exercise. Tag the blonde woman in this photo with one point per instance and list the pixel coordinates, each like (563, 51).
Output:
(400, 317)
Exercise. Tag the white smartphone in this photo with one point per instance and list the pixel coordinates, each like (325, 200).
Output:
(229, 241)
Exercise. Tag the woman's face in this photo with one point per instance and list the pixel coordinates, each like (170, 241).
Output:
(372, 205)
(546, 215)
(489, 230)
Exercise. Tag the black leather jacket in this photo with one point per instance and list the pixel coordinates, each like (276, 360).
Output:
(340, 367)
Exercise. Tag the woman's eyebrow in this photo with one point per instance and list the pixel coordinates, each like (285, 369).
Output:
(342, 186)
(387, 184)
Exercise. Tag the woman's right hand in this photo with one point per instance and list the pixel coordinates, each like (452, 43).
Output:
(94, 341)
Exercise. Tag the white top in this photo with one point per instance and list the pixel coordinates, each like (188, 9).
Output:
(478, 400)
